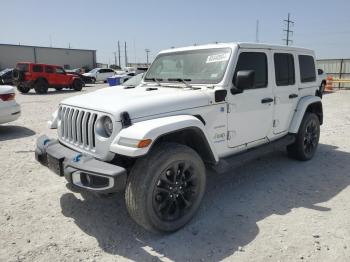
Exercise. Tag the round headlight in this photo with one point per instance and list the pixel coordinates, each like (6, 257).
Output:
(108, 125)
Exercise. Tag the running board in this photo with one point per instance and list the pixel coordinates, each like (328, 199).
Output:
(233, 161)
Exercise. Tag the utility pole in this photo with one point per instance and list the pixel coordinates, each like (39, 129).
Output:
(288, 31)
(257, 32)
(115, 58)
(147, 52)
(119, 55)
(126, 56)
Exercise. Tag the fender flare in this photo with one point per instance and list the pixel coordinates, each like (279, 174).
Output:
(156, 128)
(300, 110)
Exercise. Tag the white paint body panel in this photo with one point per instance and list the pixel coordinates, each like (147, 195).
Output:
(9, 110)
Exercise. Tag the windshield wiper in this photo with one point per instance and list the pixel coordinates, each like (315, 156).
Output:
(182, 80)
(154, 80)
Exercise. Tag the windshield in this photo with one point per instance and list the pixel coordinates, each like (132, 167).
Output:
(134, 81)
(197, 66)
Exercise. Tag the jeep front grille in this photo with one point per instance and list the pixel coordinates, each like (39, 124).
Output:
(78, 127)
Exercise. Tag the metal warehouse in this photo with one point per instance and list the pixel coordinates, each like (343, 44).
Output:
(66, 57)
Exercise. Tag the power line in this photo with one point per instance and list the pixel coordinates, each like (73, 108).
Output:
(257, 32)
(289, 32)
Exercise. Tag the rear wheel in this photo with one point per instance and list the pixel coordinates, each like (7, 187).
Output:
(41, 86)
(77, 85)
(306, 142)
(165, 188)
(23, 89)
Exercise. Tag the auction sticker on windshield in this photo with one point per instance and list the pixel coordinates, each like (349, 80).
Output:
(218, 58)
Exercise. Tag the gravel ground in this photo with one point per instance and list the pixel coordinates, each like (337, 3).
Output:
(269, 209)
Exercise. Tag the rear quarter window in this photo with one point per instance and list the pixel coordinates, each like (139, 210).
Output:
(307, 68)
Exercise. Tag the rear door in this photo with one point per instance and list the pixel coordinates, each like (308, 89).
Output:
(285, 90)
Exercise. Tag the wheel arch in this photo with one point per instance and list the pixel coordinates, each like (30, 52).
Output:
(311, 104)
(192, 137)
(183, 129)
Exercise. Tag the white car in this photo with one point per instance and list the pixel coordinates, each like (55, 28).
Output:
(100, 74)
(196, 107)
(322, 80)
(9, 109)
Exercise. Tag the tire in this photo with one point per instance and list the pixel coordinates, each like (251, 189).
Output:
(23, 89)
(41, 86)
(306, 142)
(58, 88)
(78, 85)
(152, 197)
(93, 80)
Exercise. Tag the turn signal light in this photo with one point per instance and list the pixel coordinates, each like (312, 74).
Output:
(7, 97)
(144, 143)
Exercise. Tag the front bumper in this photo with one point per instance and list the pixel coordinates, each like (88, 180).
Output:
(81, 171)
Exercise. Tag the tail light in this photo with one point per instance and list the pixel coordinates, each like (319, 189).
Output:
(7, 97)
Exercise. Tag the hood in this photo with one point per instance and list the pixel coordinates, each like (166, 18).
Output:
(141, 101)
(88, 74)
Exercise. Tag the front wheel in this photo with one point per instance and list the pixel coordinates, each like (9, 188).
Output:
(306, 142)
(165, 188)
(77, 85)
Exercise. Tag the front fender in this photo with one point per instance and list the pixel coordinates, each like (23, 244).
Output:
(154, 128)
(300, 111)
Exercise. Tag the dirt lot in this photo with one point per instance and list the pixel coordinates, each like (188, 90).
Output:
(270, 209)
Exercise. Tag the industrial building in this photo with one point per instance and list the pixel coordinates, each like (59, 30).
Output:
(338, 68)
(66, 57)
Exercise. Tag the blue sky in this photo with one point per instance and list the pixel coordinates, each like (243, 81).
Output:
(321, 25)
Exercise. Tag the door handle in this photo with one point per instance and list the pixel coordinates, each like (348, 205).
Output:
(267, 100)
(291, 96)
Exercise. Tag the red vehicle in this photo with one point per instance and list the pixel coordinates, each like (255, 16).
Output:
(41, 77)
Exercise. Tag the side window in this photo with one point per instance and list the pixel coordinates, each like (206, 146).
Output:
(307, 68)
(284, 69)
(102, 71)
(59, 70)
(49, 69)
(37, 68)
(254, 61)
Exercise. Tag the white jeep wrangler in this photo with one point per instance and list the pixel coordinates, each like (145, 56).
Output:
(196, 107)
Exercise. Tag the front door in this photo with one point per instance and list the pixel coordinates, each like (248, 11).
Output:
(285, 90)
(250, 113)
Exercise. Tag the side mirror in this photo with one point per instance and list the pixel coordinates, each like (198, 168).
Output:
(245, 79)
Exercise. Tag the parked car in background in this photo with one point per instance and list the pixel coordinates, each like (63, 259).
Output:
(100, 74)
(322, 78)
(6, 76)
(41, 77)
(9, 109)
